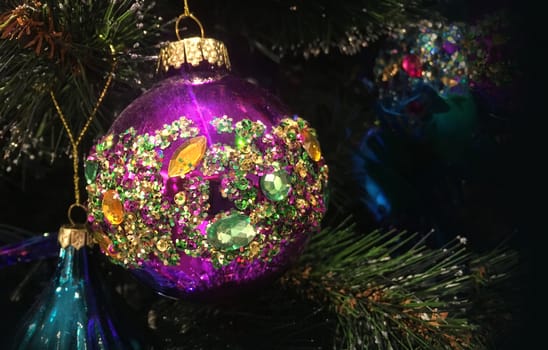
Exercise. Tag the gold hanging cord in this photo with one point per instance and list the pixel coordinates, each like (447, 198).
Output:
(75, 142)
(187, 14)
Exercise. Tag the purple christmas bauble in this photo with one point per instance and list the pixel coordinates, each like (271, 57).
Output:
(205, 185)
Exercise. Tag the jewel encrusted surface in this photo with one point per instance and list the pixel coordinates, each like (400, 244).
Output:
(165, 217)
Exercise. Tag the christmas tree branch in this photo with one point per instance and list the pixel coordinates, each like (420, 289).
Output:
(389, 290)
(65, 47)
(311, 28)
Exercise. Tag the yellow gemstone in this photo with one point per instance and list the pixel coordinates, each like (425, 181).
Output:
(108, 141)
(105, 243)
(112, 207)
(311, 145)
(187, 156)
(449, 82)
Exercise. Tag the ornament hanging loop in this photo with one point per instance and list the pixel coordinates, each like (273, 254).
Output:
(187, 14)
(77, 234)
(70, 213)
(192, 17)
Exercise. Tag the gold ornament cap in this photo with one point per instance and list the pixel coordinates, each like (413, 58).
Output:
(194, 52)
(74, 235)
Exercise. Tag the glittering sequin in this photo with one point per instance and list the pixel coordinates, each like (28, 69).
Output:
(266, 184)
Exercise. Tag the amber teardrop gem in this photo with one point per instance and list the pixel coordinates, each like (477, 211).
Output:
(105, 243)
(112, 207)
(187, 156)
(311, 145)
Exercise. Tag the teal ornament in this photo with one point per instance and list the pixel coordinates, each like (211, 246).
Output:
(67, 316)
(451, 131)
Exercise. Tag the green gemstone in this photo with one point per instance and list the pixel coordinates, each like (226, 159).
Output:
(258, 129)
(276, 185)
(244, 125)
(289, 211)
(231, 233)
(91, 171)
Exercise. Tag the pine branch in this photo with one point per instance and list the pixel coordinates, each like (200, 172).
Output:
(65, 47)
(389, 291)
(311, 28)
(269, 318)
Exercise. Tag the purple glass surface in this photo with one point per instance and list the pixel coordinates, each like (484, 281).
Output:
(177, 96)
(197, 278)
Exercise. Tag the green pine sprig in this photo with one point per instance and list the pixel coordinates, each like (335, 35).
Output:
(312, 28)
(64, 46)
(389, 290)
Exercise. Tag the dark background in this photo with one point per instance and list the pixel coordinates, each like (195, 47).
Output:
(509, 205)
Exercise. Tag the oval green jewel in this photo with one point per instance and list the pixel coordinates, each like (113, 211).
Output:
(231, 233)
(276, 185)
